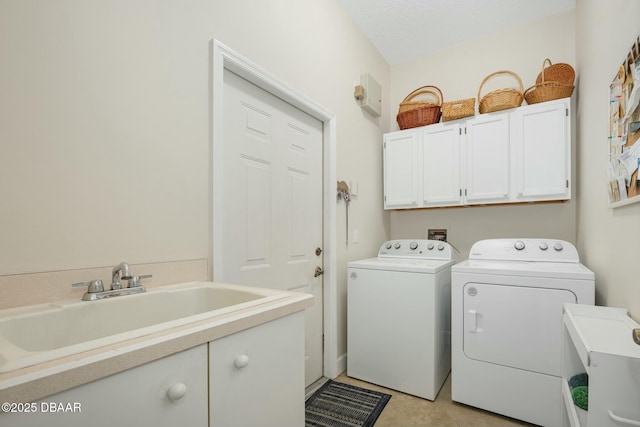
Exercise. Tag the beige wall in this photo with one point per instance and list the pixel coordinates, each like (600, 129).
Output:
(458, 72)
(608, 239)
(105, 128)
(105, 123)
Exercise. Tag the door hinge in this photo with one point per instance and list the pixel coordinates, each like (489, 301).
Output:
(567, 183)
(566, 112)
(461, 192)
(460, 131)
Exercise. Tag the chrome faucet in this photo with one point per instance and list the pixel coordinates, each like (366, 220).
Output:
(95, 288)
(120, 271)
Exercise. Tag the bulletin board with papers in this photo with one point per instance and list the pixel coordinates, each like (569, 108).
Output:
(624, 131)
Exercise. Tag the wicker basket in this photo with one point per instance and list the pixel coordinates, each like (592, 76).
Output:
(501, 99)
(561, 73)
(420, 112)
(547, 88)
(458, 109)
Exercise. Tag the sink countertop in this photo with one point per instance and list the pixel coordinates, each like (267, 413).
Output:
(39, 381)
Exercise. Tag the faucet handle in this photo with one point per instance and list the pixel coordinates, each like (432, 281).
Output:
(134, 281)
(93, 286)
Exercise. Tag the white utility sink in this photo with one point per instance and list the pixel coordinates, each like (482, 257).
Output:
(44, 332)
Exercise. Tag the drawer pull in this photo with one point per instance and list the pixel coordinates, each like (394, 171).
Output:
(622, 420)
(241, 361)
(177, 392)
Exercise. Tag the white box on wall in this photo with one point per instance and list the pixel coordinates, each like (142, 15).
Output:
(372, 101)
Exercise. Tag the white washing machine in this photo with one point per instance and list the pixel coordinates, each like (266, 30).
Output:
(506, 325)
(398, 317)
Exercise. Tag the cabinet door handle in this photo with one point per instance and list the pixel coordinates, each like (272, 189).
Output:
(241, 361)
(622, 420)
(177, 392)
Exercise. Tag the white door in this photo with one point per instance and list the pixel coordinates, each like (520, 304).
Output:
(273, 201)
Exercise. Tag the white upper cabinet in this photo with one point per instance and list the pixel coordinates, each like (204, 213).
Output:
(441, 146)
(401, 170)
(518, 155)
(542, 151)
(487, 159)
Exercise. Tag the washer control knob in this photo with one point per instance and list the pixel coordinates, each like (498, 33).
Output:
(413, 246)
(543, 246)
(558, 246)
(430, 246)
(388, 245)
(397, 245)
(519, 245)
(440, 246)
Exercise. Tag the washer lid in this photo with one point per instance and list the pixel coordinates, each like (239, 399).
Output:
(416, 248)
(429, 266)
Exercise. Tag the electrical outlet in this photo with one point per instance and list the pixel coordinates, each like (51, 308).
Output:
(437, 234)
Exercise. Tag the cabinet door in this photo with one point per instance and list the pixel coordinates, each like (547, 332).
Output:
(257, 376)
(401, 170)
(167, 392)
(542, 151)
(440, 154)
(487, 159)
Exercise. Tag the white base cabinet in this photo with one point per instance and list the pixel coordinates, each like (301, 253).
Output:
(257, 376)
(598, 341)
(254, 377)
(518, 155)
(166, 392)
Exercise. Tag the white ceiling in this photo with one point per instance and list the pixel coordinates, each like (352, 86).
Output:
(403, 30)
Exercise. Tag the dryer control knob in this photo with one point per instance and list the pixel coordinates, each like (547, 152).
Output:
(440, 246)
(543, 246)
(430, 246)
(519, 245)
(413, 246)
(558, 246)
(397, 246)
(388, 246)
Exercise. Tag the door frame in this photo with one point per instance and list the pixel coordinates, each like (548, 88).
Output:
(225, 58)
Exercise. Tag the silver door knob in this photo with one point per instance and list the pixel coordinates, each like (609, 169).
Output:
(318, 272)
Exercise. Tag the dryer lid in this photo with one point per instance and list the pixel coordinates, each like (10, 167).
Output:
(529, 250)
(557, 270)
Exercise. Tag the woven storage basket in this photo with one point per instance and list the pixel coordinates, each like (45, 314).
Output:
(547, 88)
(561, 73)
(458, 109)
(420, 112)
(501, 99)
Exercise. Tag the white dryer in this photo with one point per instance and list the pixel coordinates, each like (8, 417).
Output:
(506, 325)
(398, 317)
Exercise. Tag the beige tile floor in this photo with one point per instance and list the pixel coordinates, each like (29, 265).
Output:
(410, 411)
